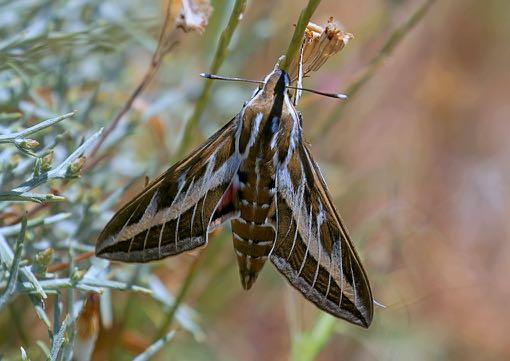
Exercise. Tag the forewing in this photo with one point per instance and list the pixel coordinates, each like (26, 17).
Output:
(313, 249)
(174, 213)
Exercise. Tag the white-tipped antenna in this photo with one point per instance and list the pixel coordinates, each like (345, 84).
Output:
(331, 95)
(220, 77)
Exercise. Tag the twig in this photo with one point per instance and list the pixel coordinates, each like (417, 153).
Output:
(162, 49)
(218, 59)
(16, 136)
(155, 347)
(15, 228)
(59, 172)
(297, 37)
(13, 272)
(389, 46)
(62, 266)
(59, 339)
(85, 284)
(30, 197)
(184, 315)
(180, 296)
(7, 257)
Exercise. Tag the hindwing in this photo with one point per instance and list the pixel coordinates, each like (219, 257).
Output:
(313, 249)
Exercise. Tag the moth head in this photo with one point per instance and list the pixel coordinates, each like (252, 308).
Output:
(275, 83)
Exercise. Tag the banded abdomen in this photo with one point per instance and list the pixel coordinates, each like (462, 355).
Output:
(253, 231)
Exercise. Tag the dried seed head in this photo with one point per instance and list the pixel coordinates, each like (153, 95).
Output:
(87, 328)
(319, 45)
(88, 319)
(190, 15)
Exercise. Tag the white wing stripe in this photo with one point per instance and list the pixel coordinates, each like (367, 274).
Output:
(210, 180)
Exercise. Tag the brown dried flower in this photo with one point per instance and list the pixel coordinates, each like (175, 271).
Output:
(191, 15)
(87, 328)
(319, 45)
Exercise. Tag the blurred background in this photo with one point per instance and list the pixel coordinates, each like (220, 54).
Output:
(418, 162)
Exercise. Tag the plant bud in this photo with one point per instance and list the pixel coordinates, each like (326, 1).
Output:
(27, 143)
(75, 167)
(47, 161)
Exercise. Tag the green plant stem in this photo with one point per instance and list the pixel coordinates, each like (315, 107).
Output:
(299, 31)
(180, 296)
(155, 347)
(85, 284)
(12, 137)
(16, 228)
(59, 172)
(389, 46)
(7, 293)
(218, 59)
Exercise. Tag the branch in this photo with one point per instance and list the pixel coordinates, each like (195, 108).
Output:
(297, 37)
(162, 49)
(192, 272)
(85, 284)
(15, 229)
(13, 272)
(59, 338)
(17, 136)
(218, 59)
(155, 347)
(66, 169)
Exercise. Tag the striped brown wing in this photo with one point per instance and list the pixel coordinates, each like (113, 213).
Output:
(313, 249)
(175, 212)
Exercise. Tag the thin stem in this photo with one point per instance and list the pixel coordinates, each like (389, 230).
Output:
(155, 347)
(299, 31)
(156, 60)
(218, 59)
(389, 46)
(16, 228)
(59, 172)
(62, 266)
(11, 137)
(180, 296)
(8, 292)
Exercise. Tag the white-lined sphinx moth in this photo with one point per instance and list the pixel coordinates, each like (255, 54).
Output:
(258, 173)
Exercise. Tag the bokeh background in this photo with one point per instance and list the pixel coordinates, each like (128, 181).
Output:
(418, 162)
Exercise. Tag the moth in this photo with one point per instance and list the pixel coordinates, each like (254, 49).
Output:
(258, 174)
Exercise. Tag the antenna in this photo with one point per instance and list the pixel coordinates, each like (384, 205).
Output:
(331, 95)
(221, 77)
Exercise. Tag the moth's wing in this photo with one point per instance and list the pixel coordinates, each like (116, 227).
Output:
(174, 213)
(313, 249)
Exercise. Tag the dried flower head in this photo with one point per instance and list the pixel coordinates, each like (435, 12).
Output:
(87, 327)
(190, 15)
(319, 45)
